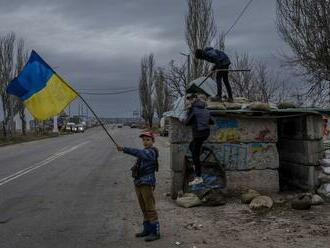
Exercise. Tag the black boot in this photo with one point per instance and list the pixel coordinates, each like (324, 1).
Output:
(154, 232)
(146, 230)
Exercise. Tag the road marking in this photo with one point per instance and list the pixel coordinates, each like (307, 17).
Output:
(48, 160)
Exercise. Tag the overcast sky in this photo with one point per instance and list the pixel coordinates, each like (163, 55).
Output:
(98, 44)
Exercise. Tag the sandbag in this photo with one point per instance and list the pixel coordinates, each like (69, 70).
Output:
(286, 105)
(324, 191)
(325, 162)
(189, 200)
(302, 202)
(261, 203)
(214, 197)
(317, 200)
(233, 105)
(259, 106)
(247, 197)
(216, 105)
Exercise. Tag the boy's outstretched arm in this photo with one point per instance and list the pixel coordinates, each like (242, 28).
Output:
(143, 154)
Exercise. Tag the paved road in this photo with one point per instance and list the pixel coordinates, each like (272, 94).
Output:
(70, 191)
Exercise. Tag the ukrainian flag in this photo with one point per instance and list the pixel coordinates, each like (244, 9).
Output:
(44, 93)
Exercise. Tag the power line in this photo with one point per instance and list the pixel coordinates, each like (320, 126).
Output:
(109, 93)
(107, 89)
(239, 17)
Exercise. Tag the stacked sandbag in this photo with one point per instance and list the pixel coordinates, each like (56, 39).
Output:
(259, 106)
(286, 105)
(212, 105)
(324, 179)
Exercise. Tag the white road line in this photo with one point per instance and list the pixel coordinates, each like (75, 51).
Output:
(48, 160)
(21, 171)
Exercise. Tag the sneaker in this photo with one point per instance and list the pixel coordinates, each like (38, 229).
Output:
(197, 180)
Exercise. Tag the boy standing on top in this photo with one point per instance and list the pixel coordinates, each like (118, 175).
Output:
(221, 62)
(200, 119)
(143, 173)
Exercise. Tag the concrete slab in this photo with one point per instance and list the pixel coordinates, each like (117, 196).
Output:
(177, 154)
(307, 127)
(177, 183)
(264, 181)
(306, 152)
(301, 176)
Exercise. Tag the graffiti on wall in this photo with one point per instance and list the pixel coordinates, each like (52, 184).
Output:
(242, 130)
(246, 156)
(227, 130)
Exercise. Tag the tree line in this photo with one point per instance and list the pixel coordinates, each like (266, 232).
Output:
(13, 57)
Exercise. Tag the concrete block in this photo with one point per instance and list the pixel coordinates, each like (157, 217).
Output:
(246, 156)
(264, 181)
(177, 183)
(301, 176)
(179, 133)
(177, 154)
(307, 152)
(307, 127)
(243, 130)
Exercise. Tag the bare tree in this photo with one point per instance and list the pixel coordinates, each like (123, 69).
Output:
(243, 82)
(7, 45)
(21, 59)
(305, 26)
(162, 94)
(176, 79)
(260, 84)
(146, 88)
(200, 31)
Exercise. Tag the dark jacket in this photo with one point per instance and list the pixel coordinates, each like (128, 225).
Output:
(216, 57)
(200, 119)
(146, 165)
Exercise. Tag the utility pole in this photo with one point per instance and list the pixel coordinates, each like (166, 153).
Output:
(55, 126)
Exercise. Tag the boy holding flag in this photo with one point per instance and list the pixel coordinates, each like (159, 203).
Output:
(144, 176)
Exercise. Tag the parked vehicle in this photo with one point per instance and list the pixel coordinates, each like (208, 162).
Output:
(70, 127)
(120, 125)
(80, 128)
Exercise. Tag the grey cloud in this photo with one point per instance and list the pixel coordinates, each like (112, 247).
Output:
(99, 44)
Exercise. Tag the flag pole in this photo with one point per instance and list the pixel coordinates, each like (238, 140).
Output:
(90, 108)
(97, 118)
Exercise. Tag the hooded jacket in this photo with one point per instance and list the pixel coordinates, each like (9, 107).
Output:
(200, 119)
(216, 57)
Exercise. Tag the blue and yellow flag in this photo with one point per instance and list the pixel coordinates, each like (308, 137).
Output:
(44, 93)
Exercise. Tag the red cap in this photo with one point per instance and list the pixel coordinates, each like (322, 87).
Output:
(147, 134)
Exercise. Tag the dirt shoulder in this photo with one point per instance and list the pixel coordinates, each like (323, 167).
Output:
(235, 225)
(27, 138)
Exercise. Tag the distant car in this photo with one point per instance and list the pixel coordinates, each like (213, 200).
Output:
(80, 128)
(70, 127)
(120, 125)
(133, 125)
